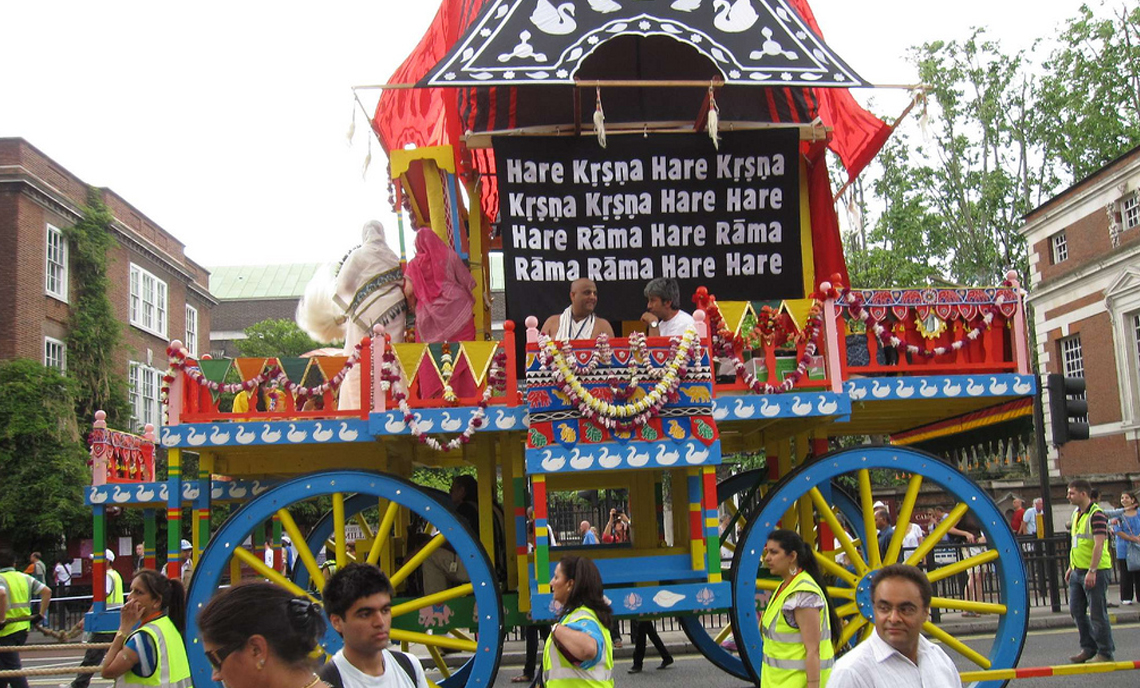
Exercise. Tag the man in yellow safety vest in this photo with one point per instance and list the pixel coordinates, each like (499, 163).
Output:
(1087, 576)
(19, 589)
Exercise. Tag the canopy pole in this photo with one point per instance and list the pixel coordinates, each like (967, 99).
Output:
(894, 125)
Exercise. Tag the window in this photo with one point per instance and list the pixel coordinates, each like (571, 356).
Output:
(148, 302)
(1060, 248)
(1130, 210)
(192, 331)
(145, 385)
(55, 354)
(1073, 361)
(55, 273)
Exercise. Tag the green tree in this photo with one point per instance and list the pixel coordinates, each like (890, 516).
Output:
(42, 457)
(273, 338)
(1088, 101)
(95, 335)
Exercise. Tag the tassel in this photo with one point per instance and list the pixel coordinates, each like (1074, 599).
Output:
(367, 160)
(714, 120)
(352, 127)
(854, 213)
(600, 120)
(924, 120)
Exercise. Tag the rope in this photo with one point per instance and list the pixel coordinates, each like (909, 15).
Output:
(50, 648)
(50, 671)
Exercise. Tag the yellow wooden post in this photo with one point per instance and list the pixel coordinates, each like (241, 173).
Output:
(784, 452)
(803, 504)
(486, 474)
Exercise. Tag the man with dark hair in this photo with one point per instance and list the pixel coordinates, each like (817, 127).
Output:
(896, 655)
(1087, 576)
(358, 601)
(19, 589)
(662, 311)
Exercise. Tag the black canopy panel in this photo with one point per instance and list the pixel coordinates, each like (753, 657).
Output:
(749, 42)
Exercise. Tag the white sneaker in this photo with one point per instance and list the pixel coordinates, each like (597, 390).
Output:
(1126, 602)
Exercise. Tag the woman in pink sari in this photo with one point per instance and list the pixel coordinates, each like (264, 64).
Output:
(442, 291)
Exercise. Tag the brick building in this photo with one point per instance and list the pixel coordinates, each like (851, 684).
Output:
(1084, 256)
(156, 291)
(248, 294)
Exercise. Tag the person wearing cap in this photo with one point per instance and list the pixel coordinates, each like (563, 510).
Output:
(19, 588)
(187, 562)
(115, 596)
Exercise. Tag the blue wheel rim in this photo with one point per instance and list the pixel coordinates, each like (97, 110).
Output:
(1010, 635)
(478, 672)
(691, 623)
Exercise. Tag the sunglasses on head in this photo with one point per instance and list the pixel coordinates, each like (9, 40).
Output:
(218, 656)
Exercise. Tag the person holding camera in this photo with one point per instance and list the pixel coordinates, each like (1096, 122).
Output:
(617, 528)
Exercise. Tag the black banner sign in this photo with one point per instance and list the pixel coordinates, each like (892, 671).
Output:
(646, 207)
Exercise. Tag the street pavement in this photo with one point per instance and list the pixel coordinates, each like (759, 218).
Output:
(1051, 640)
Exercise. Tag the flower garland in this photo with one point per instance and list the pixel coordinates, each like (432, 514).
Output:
(177, 362)
(390, 378)
(724, 343)
(601, 352)
(629, 414)
(855, 307)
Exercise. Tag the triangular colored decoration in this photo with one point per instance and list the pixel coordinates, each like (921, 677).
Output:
(331, 365)
(294, 368)
(409, 355)
(799, 309)
(249, 367)
(313, 376)
(215, 369)
(758, 306)
(733, 313)
(480, 355)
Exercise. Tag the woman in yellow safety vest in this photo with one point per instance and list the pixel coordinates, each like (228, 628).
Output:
(579, 652)
(259, 635)
(798, 621)
(148, 648)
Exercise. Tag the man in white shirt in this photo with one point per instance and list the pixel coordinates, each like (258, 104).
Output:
(358, 600)
(896, 655)
(662, 315)
(1029, 518)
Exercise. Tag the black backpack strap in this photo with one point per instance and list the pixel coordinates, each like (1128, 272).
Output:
(330, 674)
(405, 663)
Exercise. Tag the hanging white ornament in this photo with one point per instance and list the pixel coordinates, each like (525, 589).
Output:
(600, 120)
(367, 160)
(924, 118)
(714, 120)
(352, 127)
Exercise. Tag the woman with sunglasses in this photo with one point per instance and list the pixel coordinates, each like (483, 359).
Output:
(257, 635)
(148, 648)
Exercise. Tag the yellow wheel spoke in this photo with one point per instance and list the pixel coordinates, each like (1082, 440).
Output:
(957, 645)
(872, 544)
(461, 635)
(303, 552)
(850, 630)
(434, 640)
(258, 564)
(841, 593)
(723, 635)
(364, 527)
(440, 664)
(937, 534)
(433, 599)
(331, 544)
(413, 563)
(903, 521)
(961, 566)
(729, 546)
(848, 609)
(730, 508)
(338, 528)
(767, 584)
(967, 605)
(867, 632)
(382, 532)
(845, 543)
(836, 570)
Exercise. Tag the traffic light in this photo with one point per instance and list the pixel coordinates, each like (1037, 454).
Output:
(1068, 408)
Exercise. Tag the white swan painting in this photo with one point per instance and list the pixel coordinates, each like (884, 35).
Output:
(734, 17)
(345, 434)
(554, 20)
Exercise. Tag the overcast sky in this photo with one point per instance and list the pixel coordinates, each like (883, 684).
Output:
(225, 122)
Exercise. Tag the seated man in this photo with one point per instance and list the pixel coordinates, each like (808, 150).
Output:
(896, 655)
(662, 315)
(358, 599)
(578, 321)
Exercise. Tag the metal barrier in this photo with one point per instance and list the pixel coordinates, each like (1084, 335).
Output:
(1047, 671)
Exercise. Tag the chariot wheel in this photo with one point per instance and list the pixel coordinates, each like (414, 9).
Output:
(353, 493)
(851, 593)
(740, 498)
